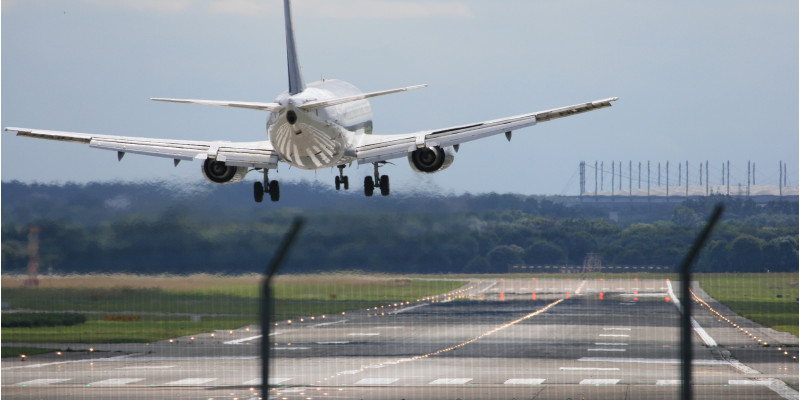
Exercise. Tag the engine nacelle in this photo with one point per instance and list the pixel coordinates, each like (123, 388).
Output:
(428, 160)
(218, 172)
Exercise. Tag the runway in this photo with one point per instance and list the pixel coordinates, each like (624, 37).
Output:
(509, 338)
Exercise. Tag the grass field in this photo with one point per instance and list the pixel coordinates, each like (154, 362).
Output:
(172, 306)
(768, 299)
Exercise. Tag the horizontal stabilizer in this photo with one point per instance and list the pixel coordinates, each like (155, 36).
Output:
(274, 107)
(313, 105)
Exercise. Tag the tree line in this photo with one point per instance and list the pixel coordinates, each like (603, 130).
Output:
(486, 233)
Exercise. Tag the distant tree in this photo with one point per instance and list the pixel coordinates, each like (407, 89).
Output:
(542, 252)
(745, 254)
(502, 256)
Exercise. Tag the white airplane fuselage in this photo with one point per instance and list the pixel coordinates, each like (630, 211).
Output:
(319, 138)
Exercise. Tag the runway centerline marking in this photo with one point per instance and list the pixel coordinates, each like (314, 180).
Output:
(610, 344)
(377, 381)
(616, 329)
(613, 335)
(242, 340)
(328, 323)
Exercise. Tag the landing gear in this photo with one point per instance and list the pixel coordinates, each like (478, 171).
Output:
(272, 188)
(341, 179)
(381, 181)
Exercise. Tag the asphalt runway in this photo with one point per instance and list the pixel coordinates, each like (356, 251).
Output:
(494, 339)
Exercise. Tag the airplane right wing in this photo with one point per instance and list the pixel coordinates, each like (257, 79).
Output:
(377, 148)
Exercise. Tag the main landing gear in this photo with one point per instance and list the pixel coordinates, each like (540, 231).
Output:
(271, 187)
(381, 181)
(341, 179)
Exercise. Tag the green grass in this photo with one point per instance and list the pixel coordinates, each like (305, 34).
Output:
(222, 307)
(756, 297)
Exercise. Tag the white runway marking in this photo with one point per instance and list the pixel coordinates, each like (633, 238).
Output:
(328, 323)
(669, 382)
(190, 381)
(524, 382)
(613, 335)
(377, 381)
(272, 381)
(332, 342)
(41, 382)
(242, 340)
(450, 381)
(616, 329)
(599, 381)
(291, 348)
(610, 344)
(606, 349)
(587, 369)
(776, 385)
(411, 308)
(116, 382)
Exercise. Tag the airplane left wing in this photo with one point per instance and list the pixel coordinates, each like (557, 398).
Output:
(237, 154)
(386, 147)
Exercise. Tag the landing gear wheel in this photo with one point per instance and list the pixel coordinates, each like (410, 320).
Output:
(346, 183)
(384, 184)
(258, 192)
(369, 186)
(337, 183)
(274, 191)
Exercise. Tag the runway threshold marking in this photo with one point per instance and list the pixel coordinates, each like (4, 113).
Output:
(115, 382)
(377, 381)
(190, 382)
(599, 382)
(524, 382)
(450, 381)
(588, 369)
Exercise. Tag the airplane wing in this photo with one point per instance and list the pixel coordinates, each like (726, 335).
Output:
(376, 148)
(238, 154)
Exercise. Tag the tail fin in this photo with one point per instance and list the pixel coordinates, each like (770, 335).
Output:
(296, 84)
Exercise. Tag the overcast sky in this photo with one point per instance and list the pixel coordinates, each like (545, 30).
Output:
(709, 80)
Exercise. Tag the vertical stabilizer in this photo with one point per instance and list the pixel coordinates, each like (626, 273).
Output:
(296, 84)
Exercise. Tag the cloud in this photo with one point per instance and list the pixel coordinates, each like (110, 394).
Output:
(158, 6)
(348, 9)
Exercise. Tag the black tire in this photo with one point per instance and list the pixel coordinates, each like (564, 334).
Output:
(346, 182)
(274, 191)
(369, 186)
(384, 185)
(337, 182)
(258, 192)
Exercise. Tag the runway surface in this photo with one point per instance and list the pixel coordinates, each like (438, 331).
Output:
(515, 338)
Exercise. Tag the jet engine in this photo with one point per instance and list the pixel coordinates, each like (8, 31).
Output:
(218, 172)
(428, 160)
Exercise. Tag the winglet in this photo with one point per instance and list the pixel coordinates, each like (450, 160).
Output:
(296, 84)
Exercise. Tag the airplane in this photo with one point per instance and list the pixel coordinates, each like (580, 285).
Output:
(323, 124)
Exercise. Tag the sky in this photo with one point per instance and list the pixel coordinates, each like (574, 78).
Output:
(696, 81)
